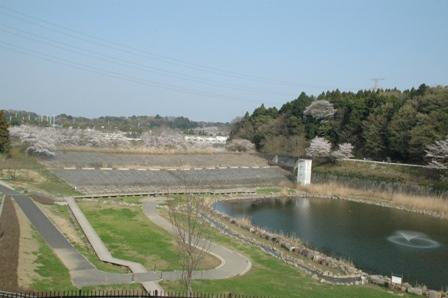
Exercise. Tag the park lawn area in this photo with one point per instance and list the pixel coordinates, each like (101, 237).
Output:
(54, 276)
(271, 277)
(25, 173)
(130, 235)
(81, 244)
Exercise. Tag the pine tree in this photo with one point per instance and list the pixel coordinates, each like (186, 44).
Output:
(4, 134)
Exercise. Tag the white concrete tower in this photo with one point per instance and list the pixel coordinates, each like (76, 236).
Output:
(304, 171)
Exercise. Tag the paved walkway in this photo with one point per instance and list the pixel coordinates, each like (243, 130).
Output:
(232, 262)
(104, 254)
(83, 273)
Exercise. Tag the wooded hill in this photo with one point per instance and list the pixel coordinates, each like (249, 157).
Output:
(381, 124)
(133, 125)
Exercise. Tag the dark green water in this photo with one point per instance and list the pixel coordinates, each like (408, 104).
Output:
(377, 239)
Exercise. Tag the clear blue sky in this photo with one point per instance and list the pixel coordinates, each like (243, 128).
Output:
(210, 60)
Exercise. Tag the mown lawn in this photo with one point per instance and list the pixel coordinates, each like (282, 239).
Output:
(54, 276)
(84, 248)
(129, 235)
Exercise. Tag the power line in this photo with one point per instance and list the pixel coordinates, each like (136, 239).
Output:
(114, 74)
(115, 60)
(145, 53)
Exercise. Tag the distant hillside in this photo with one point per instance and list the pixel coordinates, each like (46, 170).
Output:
(134, 125)
(382, 124)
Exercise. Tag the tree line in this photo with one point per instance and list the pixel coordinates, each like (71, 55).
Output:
(133, 125)
(380, 124)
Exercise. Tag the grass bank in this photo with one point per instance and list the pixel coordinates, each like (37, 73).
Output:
(25, 173)
(370, 175)
(421, 204)
(129, 235)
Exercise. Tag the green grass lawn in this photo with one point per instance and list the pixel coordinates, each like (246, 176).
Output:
(129, 235)
(271, 277)
(85, 249)
(268, 190)
(54, 276)
(52, 273)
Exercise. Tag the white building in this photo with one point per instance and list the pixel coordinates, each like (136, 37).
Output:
(206, 140)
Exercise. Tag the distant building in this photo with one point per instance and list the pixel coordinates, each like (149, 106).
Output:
(206, 140)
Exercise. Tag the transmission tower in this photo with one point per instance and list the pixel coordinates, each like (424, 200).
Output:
(376, 83)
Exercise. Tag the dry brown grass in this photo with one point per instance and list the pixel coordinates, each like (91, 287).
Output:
(63, 224)
(428, 204)
(22, 175)
(28, 248)
(244, 221)
(9, 246)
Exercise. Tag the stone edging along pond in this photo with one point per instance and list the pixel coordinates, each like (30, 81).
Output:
(284, 248)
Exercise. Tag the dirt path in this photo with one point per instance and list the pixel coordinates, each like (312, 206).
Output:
(9, 246)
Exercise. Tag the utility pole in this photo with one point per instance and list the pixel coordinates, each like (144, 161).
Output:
(376, 83)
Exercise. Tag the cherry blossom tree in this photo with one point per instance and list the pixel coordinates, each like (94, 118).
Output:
(437, 154)
(240, 145)
(345, 150)
(320, 110)
(164, 138)
(319, 148)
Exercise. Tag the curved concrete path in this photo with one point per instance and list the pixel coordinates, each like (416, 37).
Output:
(232, 262)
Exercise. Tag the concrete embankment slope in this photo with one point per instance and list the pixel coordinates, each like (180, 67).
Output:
(107, 180)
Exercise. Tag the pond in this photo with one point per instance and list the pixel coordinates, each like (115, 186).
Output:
(376, 239)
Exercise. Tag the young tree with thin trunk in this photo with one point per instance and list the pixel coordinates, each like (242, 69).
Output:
(4, 134)
(190, 236)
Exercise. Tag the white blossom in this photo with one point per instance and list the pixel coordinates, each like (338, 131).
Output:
(345, 150)
(320, 110)
(437, 153)
(240, 145)
(164, 138)
(319, 148)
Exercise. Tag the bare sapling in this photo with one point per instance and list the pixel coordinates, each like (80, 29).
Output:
(190, 236)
